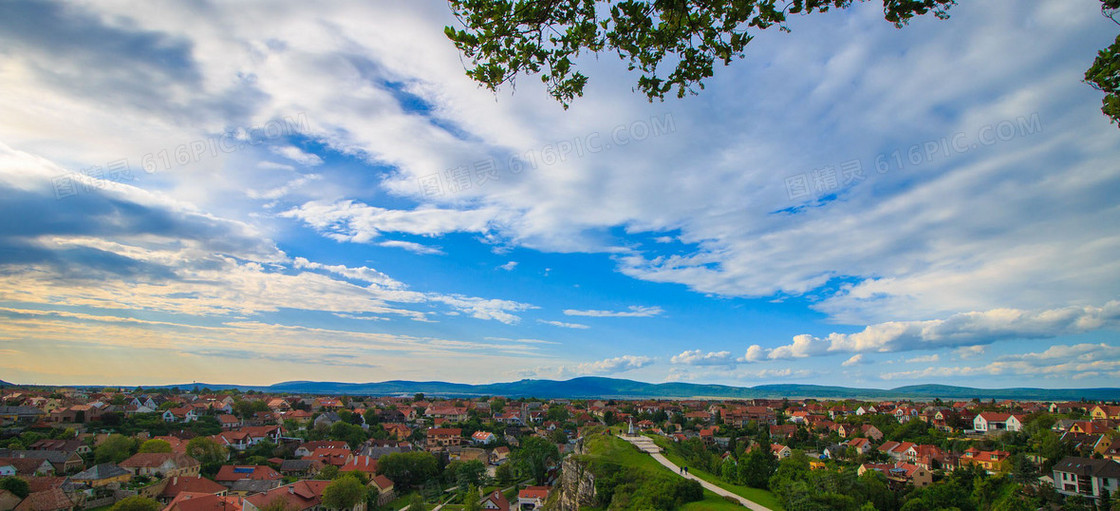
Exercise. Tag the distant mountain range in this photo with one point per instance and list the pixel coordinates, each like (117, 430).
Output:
(597, 387)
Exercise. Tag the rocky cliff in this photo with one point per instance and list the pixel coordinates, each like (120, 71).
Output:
(577, 485)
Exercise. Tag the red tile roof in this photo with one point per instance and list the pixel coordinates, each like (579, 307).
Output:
(254, 472)
(177, 485)
(49, 500)
(189, 501)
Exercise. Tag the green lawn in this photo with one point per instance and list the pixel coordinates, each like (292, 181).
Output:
(620, 451)
(712, 502)
(402, 502)
(760, 496)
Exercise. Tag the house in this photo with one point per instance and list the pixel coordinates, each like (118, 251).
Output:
(1086, 476)
(988, 422)
(871, 432)
(495, 501)
(896, 450)
(780, 451)
(988, 460)
(900, 474)
(190, 501)
(385, 490)
(483, 438)
(499, 455)
(248, 436)
(305, 449)
(53, 499)
(397, 430)
(64, 462)
(19, 414)
(783, 431)
(228, 421)
(245, 487)
(8, 500)
(331, 456)
(441, 438)
(195, 485)
(532, 498)
(301, 468)
(1105, 412)
(451, 413)
(228, 474)
(861, 445)
(67, 445)
(326, 419)
(167, 464)
(298, 496)
(102, 475)
(363, 464)
(29, 466)
(183, 414)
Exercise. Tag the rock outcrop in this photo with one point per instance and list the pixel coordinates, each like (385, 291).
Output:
(577, 485)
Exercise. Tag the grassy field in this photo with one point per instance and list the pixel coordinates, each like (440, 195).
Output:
(763, 497)
(622, 452)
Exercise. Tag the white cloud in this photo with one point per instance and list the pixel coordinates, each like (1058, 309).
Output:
(360, 223)
(967, 352)
(298, 155)
(635, 311)
(415, 248)
(924, 359)
(509, 266)
(563, 324)
(613, 365)
(699, 357)
(853, 360)
(1060, 362)
(966, 329)
(603, 367)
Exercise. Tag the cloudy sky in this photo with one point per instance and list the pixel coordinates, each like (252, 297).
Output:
(252, 193)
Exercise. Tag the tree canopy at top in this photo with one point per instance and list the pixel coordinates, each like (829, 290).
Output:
(674, 44)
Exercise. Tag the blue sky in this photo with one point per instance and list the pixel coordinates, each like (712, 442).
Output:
(251, 194)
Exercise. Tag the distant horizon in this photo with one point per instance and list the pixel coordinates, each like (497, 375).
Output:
(191, 385)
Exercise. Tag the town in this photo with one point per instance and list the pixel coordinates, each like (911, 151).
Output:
(174, 449)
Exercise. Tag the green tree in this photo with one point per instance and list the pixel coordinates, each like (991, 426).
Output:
(533, 457)
(343, 493)
(674, 45)
(756, 468)
(329, 472)
(349, 433)
(470, 473)
(115, 449)
(1104, 74)
(470, 499)
(504, 473)
(155, 446)
(136, 503)
(206, 450)
(408, 469)
(15, 485)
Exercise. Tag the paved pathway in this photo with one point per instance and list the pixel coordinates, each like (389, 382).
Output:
(645, 444)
